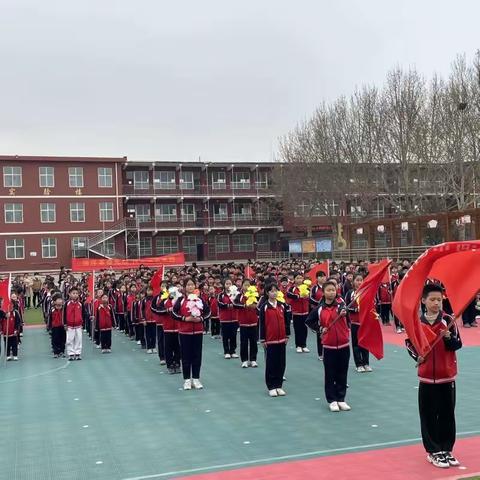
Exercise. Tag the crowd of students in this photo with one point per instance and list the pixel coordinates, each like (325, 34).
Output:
(222, 300)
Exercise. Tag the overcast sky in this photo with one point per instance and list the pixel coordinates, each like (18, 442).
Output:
(220, 79)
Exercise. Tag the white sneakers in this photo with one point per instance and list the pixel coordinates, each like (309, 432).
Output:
(149, 350)
(162, 362)
(187, 385)
(281, 392)
(305, 350)
(334, 407)
(273, 393)
(196, 384)
(299, 350)
(365, 368)
(361, 369)
(244, 364)
(254, 364)
(368, 368)
(139, 342)
(344, 407)
(228, 356)
(234, 355)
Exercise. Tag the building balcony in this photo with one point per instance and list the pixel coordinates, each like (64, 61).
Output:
(237, 190)
(207, 223)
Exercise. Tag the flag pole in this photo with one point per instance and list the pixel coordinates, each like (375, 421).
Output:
(9, 287)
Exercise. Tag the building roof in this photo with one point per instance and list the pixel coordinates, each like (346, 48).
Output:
(173, 163)
(46, 158)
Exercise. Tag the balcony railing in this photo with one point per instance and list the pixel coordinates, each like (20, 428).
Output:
(199, 190)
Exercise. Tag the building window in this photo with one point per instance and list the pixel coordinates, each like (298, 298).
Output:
(242, 212)
(219, 180)
(242, 243)
(47, 213)
(189, 244)
(108, 247)
(186, 181)
(166, 245)
(241, 180)
(49, 247)
(12, 176)
(77, 212)
(145, 246)
(262, 179)
(188, 212)
(222, 244)
(79, 247)
(220, 212)
(106, 211)
(15, 249)
(46, 176)
(13, 212)
(140, 180)
(75, 177)
(105, 177)
(166, 212)
(263, 242)
(164, 180)
(379, 210)
(142, 212)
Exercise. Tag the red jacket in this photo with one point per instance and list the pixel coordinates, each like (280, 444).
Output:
(170, 325)
(180, 312)
(55, 318)
(213, 304)
(338, 333)
(73, 314)
(130, 301)
(104, 317)
(225, 309)
(247, 316)
(384, 294)
(316, 294)
(158, 313)
(147, 310)
(440, 365)
(274, 323)
(299, 305)
(10, 323)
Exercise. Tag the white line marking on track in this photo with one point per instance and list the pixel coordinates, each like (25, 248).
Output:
(35, 375)
(285, 457)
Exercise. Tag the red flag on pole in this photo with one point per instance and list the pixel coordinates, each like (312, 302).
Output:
(91, 287)
(457, 266)
(370, 333)
(156, 281)
(5, 289)
(249, 273)
(321, 267)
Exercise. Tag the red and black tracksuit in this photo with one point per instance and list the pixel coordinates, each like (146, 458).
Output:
(228, 322)
(151, 324)
(300, 309)
(104, 318)
(57, 330)
(170, 332)
(159, 322)
(316, 294)
(248, 321)
(191, 337)
(120, 310)
(360, 354)
(214, 318)
(336, 346)
(274, 323)
(437, 390)
(138, 320)
(384, 302)
(129, 311)
(10, 324)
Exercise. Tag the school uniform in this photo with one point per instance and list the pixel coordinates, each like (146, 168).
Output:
(73, 319)
(170, 332)
(96, 333)
(151, 324)
(300, 310)
(206, 323)
(191, 337)
(384, 300)
(9, 328)
(138, 319)
(316, 294)
(274, 323)
(360, 354)
(336, 347)
(120, 310)
(248, 321)
(228, 323)
(437, 389)
(160, 335)
(105, 322)
(130, 331)
(57, 331)
(214, 318)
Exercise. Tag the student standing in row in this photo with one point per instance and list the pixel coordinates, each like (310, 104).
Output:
(57, 328)
(316, 294)
(300, 310)
(74, 322)
(105, 322)
(228, 321)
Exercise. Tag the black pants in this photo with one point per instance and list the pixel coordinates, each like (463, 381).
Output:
(385, 312)
(106, 339)
(151, 334)
(58, 340)
(319, 345)
(36, 299)
(27, 302)
(398, 324)
(96, 337)
(161, 342)
(131, 328)
(248, 344)
(229, 337)
(140, 333)
(335, 363)
(360, 354)
(120, 319)
(11, 345)
(172, 350)
(275, 363)
(191, 346)
(215, 328)
(436, 404)
(206, 325)
(300, 330)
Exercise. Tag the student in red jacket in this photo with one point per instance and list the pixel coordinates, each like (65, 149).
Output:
(228, 321)
(9, 327)
(57, 328)
(150, 322)
(105, 322)
(300, 310)
(330, 318)
(159, 319)
(74, 320)
(214, 319)
(274, 321)
(437, 372)
(316, 294)
(129, 307)
(191, 311)
(385, 302)
(248, 320)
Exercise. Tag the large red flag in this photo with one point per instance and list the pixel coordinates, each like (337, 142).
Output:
(370, 333)
(321, 267)
(457, 266)
(5, 289)
(156, 281)
(91, 287)
(249, 273)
